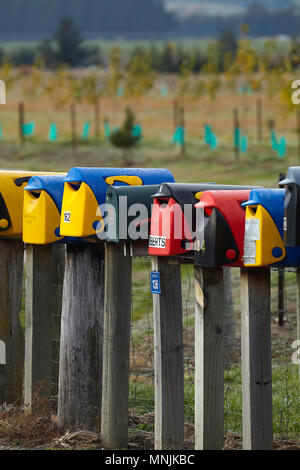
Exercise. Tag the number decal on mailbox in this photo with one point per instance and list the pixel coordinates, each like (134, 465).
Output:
(67, 216)
(157, 242)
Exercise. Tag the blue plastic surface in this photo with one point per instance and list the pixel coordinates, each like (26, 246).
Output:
(95, 177)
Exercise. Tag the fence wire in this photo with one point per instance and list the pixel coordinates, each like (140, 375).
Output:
(285, 375)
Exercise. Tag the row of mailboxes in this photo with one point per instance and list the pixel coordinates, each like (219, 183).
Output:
(68, 207)
(215, 224)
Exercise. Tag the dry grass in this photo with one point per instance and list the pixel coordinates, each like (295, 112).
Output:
(21, 427)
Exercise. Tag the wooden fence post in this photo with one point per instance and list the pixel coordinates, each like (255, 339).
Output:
(80, 366)
(58, 262)
(168, 357)
(256, 359)
(43, 291)
(11, 334)
(209, 358)
(116, 348)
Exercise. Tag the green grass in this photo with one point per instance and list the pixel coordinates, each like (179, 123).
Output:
(286, 403)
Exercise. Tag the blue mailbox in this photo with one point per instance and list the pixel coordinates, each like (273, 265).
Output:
(41, 210)
(85, 191)
(263, 243)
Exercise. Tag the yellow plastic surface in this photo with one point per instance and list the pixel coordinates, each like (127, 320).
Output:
(79, 211)
(40, 218)
(268, 237)
(13, 196)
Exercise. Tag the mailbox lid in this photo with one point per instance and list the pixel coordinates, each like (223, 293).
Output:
(292, 206)
(272, 200)
(85, 189)
(98, 179)
(220, 228)
(134, 195)
(190, 193)
(42, 207)
(51, 184)
(11, 201)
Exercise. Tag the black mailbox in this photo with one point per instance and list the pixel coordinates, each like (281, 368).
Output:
(128, 211)
(291, 220)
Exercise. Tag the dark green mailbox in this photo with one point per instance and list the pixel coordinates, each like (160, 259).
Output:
(128, 213)
(291, 221)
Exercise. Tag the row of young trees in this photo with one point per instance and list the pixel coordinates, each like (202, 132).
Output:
(243, 69)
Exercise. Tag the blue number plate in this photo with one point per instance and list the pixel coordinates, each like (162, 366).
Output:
(155, 282)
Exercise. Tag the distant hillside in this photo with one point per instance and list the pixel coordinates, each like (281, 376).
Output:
(137, 19)
(32, 19)
(196, 7)
(185, 8)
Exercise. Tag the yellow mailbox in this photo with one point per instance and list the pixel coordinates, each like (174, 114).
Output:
(42, 206)
(11, 201)
(263, 243)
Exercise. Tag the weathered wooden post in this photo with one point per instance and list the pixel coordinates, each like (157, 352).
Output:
(116, 349)
(256, 359)
(209, 358)
(58, 263)
(11, 334)
(44, 272)
(80, 367)
(168, 356)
